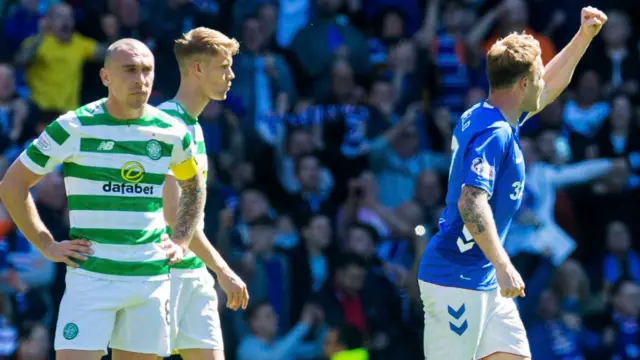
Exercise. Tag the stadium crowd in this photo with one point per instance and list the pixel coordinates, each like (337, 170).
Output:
(329, 162)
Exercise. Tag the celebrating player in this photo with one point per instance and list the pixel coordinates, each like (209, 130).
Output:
(467, 281)
(204, 57)
(115, 153)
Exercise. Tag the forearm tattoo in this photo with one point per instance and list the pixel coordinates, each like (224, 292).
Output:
(471, 210)
(190, 207)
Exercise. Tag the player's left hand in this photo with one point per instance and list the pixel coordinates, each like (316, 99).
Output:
(234, 288)
(591, 21)
(175, 252)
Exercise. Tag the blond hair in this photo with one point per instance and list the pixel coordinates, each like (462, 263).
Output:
(203, 41)
(511, 58)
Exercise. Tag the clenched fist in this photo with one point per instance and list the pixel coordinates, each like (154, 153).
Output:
(591, 21)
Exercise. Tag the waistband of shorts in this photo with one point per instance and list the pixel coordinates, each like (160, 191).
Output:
(81, 272)
(188, 273)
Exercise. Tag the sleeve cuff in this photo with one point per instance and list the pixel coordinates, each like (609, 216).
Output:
(32, 166)
(480, 185)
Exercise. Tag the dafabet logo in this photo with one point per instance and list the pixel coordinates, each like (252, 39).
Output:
(132, 173)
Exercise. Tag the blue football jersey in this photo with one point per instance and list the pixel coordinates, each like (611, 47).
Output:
(486, 154)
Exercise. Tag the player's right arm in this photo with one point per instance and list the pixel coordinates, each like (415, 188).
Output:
(190, 205)
(52, 147)
(481, 164)
(233, 286)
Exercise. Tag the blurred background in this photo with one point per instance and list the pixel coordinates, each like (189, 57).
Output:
(331, 156)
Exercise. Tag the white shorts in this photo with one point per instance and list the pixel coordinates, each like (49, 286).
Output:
(126, 315)
(466, 324)
(195, 322)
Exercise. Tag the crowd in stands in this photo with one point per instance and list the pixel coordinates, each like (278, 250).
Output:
(329, 163)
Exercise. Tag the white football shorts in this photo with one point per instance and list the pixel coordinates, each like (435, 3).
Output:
(468, 324)
(130, 315)
(195, 322)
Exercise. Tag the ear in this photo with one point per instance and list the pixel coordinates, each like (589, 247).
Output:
(104, 76)
(196, 68)
(524, 82)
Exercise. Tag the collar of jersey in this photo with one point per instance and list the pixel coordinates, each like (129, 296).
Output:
(188, 118)
(515, 129)
(141, 120)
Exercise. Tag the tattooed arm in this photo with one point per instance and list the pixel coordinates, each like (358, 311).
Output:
(233, 286)
(200, 245)
(190, 209)
(478, 218)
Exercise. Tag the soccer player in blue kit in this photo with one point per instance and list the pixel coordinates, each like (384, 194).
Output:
(467, 281)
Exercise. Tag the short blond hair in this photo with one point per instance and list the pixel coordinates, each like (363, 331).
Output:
(511, 58)
(203, 41)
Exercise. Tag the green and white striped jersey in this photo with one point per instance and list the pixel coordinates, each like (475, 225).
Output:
(191, 265)
(114, 171)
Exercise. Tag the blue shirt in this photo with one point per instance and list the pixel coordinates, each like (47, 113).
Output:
(486, 154)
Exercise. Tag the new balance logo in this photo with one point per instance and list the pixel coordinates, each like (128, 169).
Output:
(456, 315)
(106, 146)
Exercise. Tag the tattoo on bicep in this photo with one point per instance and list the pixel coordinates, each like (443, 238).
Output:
(471, 209)
(190, 206)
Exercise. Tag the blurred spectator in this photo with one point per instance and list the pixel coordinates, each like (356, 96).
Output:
(619, 135)
(535, 219)
(168, 20)
(311, 198)
(556, 337)
(511, 16)
(571, 285)
(262, 78)
(585, 115)
(345, 343)
(442, 35)
(266, 271)
(429, 195)
(357, 297)
(264, 343)
(14, 111)
(21, 23)
(313, 260)
(617, 69)
(289, 148)
(621, 261)
(53, 59)
(34, 343)
(8, 332)
(620, 322)
(397, 159)
(338, 39)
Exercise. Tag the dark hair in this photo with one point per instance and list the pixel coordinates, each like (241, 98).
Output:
(373, 233)
(350, 337)
(264, 220)
(616, 287)
(253, 308)
(350, 259)
(303, 157)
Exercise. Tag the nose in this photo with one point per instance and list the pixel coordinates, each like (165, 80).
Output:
(232, 75)
(139, 78)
